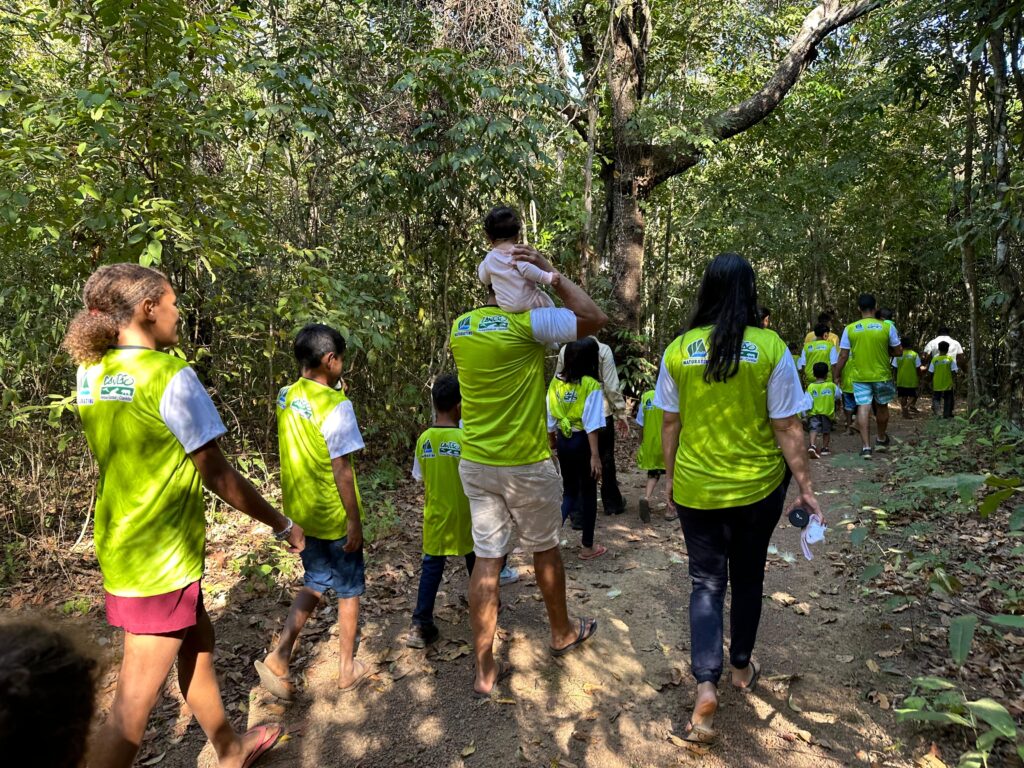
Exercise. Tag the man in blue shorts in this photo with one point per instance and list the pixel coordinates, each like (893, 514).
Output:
(872, 344)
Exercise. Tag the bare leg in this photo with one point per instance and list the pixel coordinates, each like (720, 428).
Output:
(882, 417)
(826, 441)
(303, 606)
(550, 573)
(864, 424)
(814, 441)
(652, 482)
(198, 681)
(483, 617)
(348, 622)
(144, 668)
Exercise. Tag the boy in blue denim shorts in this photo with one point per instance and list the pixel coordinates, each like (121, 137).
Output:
(317, 435)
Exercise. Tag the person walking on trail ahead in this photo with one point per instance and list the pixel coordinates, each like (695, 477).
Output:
(872, 344)
(731, 396)
(614, 418)
(507, 469)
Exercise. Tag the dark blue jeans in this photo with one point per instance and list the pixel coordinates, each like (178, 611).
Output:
(727, 545)
(431, 573)
(579, 488)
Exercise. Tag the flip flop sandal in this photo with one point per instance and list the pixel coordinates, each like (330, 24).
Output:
(360, 679)
(749, 687)
(598, 551)
(699, 734)
(504, 671)
(586, 630)
(269, 735)
(277, 685)
(645, 510)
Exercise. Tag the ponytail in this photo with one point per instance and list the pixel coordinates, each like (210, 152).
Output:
(110, 296)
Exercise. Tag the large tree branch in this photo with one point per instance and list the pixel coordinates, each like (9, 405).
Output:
(827, 17)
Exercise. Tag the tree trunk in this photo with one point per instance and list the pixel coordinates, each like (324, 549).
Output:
(968, 254)
(1007, 274)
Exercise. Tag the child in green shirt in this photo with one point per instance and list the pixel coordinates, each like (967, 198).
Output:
(942, 367)
(317, 434)
(823, 396)
(907, 367)
(447, 527)
(649, 455)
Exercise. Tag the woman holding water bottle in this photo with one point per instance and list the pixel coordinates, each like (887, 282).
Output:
(731, 395)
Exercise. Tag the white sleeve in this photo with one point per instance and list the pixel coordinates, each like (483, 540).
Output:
(844, 343)
(786, 396)
(640, 414)
(956, 348)
(666, 393)
(931, 367)
(802, 361)
(894, 336)
(561, 360)
(895, 362)
(953, 366)
(417, 471)
(930, 348)
(593, 412)
(188, 411)
(552, 325)
(341, 431)
(552, 424)
(833, 356)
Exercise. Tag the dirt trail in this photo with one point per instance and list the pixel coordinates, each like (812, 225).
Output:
(616, 703)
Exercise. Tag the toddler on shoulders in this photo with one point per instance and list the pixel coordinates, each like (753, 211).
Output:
(516, 284)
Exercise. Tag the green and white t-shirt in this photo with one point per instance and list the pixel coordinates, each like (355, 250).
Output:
(575, 407)
(869, 341)
(500, 361)
(447, 528)
(823, 398)
(315, 425)
(143, 413)
(906, 366)
(942, 368)
(650, 417)
(728, 455)
(817, 351)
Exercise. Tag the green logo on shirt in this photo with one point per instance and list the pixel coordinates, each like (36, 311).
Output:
(303, 408)
(463, 329)
(570, 396)
(697, 349)
(492, 323)
(451, 448)
(749, 352)
(428, 450)
(119, 387)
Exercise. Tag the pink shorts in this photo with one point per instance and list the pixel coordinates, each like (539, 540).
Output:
(157, 614)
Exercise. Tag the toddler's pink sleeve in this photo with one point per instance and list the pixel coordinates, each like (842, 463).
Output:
(534, 273)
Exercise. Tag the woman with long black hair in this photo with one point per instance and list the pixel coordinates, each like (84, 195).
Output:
(731, 394)
(575, 417)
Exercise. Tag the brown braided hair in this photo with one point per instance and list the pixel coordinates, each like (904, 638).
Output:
(47, 694)
(110, 296)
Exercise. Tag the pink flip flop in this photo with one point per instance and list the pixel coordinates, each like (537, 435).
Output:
(598, 551)
(269, 735)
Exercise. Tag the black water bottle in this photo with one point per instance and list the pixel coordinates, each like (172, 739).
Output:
(798, 517)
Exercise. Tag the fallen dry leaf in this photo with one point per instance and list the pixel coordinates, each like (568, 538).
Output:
(802, 609)
(468, 749)
(873, 666)
(783, 598)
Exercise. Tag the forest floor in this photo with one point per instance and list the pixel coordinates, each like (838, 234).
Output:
(622, 700)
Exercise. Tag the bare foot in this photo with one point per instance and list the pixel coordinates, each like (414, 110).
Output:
(277, 663)
(743, 678)
(487, 679)
(706, 705)
(357, 672)
(259, 739)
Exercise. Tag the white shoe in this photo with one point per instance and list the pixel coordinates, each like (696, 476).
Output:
(508, 576)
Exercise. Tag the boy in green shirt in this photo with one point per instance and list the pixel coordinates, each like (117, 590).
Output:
(317, 434)
(447, 528)
(942, 367)
(823, 396)
(819, 350)
(649, 455)
(907, 367)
